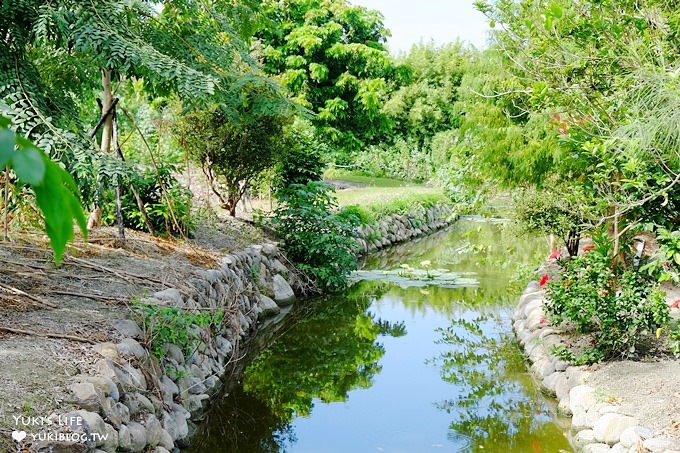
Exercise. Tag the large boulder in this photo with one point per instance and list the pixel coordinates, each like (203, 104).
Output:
(283, 293)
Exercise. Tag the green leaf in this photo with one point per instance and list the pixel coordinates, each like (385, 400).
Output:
(7, 140)
(29, 165)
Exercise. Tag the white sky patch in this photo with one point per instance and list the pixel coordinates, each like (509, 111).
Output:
(443, 21)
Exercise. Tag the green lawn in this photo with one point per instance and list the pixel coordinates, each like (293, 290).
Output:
(383, 196)
(344, 175)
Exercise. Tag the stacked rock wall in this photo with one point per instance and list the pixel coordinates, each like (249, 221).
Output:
(133, 401)
(399, 228)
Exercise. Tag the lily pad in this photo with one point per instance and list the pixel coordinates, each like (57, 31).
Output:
(410, 277)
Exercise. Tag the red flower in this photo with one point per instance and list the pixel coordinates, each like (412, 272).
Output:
(543, 280)
(543, 321)
(554, 255)
(588, 247)
(676, 304)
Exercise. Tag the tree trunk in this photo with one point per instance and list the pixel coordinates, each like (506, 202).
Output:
(107, 99)
(107, 133)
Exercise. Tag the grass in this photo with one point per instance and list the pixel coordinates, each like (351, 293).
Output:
(373, 181)
(384, 196)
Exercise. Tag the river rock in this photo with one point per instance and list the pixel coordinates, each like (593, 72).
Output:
(168, 389)
(110, 444)
(172, 351)
(584, 437)
(106, 385)
(268, 306)
(107, 350)
(154, 430)
(283, 293)
(170, 296)
(635, 435)
(87, 396)
(581, 398)
(659, 444)
(131, 348)
(117, 413)
(609, 427)
(166, 440)
(136, 403)
(89, 423)
(127, 328)
(596, 448)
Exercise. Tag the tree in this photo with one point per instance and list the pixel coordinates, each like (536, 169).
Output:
(190, 49)
(231, 154)
(599, 74)
(331, 57)
(425, 105)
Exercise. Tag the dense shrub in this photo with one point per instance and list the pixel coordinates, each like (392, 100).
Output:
(167, 203)
(616, 305)
(316, 239)
(300, 160)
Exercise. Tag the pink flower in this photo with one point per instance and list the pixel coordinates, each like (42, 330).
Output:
(554, 255)
(543, 321)
(543, 280)
(676, 303)
(588, 247)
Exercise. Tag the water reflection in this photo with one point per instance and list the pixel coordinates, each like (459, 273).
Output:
(398, 368)
(496, 404)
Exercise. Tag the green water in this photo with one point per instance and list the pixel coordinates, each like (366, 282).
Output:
(420, 358)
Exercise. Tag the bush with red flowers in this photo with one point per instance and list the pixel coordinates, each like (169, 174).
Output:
(614, 304)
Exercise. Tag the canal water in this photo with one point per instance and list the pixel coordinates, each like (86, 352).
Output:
(417, 356)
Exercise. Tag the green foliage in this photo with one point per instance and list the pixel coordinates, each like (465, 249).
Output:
(231, 154)
(412, 204)
(318, 241)
(401, 160)
(426, 104)
(54, 189)
(330, 56)
(167, 202)
(590, 87)
(301, 156)
(665, 264)
(170, 325)
(618, 307)
(553, 211)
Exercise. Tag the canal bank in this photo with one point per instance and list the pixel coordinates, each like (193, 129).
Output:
(620, 406)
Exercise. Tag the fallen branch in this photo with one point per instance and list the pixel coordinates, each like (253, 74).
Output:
(18, 292)
(47, 334)
(86, 296)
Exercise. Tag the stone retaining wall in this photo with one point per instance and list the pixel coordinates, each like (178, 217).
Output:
(399, 228)
(597, 424)
(132, 401)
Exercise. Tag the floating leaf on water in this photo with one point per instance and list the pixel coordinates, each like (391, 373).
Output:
(419, 278)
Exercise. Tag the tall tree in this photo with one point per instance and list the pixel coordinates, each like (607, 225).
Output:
(331, 57)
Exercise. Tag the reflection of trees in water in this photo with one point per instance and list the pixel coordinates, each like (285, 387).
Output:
(495, 405)
(245, 425)
(331, 351)
(326, 355)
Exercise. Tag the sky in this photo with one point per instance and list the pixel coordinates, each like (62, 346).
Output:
(411, 21)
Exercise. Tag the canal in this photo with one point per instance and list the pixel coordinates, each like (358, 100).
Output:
(416, 356)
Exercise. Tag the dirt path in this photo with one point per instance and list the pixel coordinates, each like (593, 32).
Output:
(82, 300)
